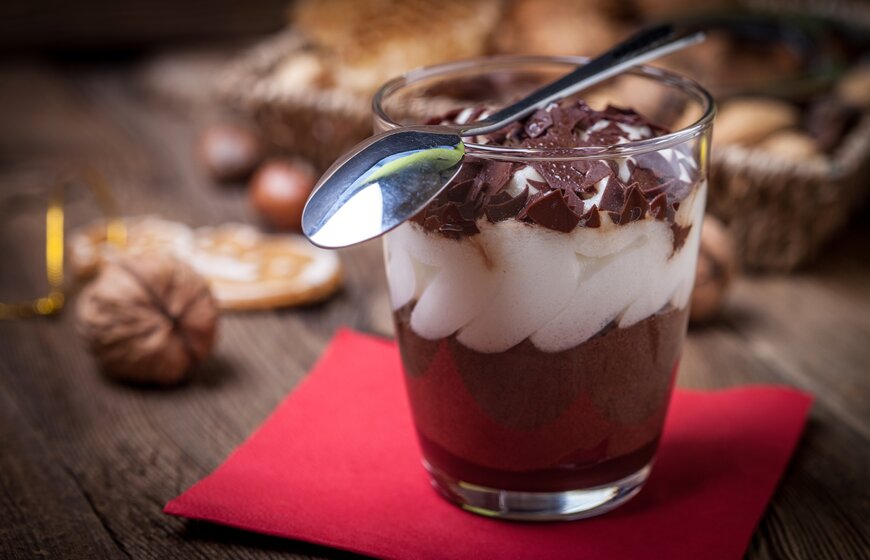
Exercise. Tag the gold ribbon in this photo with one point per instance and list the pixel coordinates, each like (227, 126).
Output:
(116, 233)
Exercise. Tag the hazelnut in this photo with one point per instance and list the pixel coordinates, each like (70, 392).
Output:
(278, 191)
(717, 267)
(229, 152)
(148, 318)
(750, 120)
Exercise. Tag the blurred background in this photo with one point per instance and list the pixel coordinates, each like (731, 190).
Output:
(208, 113)
(791, 78)
(253, 102)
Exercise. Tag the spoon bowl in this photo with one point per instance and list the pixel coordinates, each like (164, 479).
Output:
(381, 183)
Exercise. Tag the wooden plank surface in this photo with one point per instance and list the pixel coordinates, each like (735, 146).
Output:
(86, 464)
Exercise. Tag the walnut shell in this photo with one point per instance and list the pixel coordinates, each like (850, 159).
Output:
(148, 318)
(717, 267)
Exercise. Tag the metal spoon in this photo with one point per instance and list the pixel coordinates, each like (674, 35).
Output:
(387, 179)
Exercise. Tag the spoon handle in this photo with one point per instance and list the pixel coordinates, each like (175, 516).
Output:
(645, 45)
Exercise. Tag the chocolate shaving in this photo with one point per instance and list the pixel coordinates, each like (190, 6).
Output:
(581, 165)
(538, 123)
(559, 174)
(574, 201)
(586, 193)
(449, 213)
(494, 176)
(551, 211)
(610, 134)
(645, 179)
(513, 131)
(478, 205)
(432, 223)
(454, 224)
(467, 171)
(589, 116)
(623, 115)
(500, 198)
(524, 213)
(507, 209)
(591, 219)
(679, 191)
(613, 197)
(657, 164)
(596, 172)
(539, 185)
(469, 210)
(658, 208)
(459, 192)
(566, 117)
(635, 206)
(479, 189)
(509, 134)
(662, 187)
(614, 166)
(447, 118)
(680, 235)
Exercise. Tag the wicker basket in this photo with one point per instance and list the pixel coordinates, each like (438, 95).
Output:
(780, 212)
(316, 124)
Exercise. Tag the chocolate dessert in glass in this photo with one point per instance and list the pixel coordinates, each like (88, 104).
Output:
(541, 300)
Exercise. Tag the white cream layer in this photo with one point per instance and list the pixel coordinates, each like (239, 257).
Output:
(514, 280)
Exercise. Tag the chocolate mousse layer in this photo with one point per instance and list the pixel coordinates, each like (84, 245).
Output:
(529, 420)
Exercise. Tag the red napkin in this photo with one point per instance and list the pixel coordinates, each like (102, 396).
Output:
(337, 464)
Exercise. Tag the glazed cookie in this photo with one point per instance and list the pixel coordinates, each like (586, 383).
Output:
(250, 270)
(245, 268)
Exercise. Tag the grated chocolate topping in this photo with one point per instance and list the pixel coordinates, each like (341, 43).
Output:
(571, 194)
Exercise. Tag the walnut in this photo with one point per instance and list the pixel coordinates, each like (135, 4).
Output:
(717, 267)
(148, 318)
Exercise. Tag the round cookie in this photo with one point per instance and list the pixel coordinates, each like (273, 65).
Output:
(244, 268)
(249, 270)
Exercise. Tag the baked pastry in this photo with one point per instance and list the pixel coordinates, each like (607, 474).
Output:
(250, 270)
(748, 121)
(554, 27)
(244, 268)
(366, 43)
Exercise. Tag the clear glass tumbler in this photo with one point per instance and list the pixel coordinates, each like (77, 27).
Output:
(540, 359)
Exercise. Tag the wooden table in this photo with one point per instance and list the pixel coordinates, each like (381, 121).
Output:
(86, 465)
